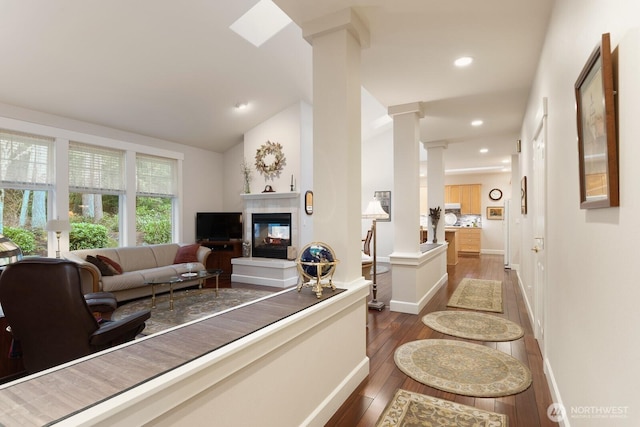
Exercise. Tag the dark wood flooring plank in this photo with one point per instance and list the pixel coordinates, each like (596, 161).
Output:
(386, 331)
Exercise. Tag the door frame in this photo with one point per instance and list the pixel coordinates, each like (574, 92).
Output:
(539, 237)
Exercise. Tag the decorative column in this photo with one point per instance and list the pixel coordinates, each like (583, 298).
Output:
(416, 275)
(435, 181)
(337, 40)
(406, 172)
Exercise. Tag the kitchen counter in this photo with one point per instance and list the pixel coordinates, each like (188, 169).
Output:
(458, 227)
(451, 236)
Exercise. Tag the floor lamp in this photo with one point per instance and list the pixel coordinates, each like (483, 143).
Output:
(58, 226)
(375, 212)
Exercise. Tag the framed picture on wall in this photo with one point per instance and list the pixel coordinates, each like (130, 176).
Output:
(385, 201)
(597, 143)
(495, 212)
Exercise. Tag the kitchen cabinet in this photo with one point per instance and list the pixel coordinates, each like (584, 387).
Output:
(469, 241)
(452, 194)
(468, 195)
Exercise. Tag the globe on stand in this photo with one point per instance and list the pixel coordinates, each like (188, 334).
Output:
(317, 262)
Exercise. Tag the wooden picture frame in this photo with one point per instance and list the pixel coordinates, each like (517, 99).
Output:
(495, 212)
(385, 201)
(597, 140)
(523, 195)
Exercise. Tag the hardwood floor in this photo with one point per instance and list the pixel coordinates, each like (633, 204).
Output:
(387, 330)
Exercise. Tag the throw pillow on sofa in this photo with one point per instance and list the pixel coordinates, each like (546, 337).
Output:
(102, 266)
(113, 266)
(187, 253)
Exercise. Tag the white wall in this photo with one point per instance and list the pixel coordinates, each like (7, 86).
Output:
(233, 178)
(292, 128)
(377, 175)
(592, 292)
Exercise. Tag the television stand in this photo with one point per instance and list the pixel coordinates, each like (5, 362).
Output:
(222, 252)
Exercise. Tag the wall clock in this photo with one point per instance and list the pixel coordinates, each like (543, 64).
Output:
(495, 194)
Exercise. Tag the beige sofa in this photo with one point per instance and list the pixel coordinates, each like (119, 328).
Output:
(139, 264)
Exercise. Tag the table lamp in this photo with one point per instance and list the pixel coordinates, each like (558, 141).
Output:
(58, 226)
(374, 211)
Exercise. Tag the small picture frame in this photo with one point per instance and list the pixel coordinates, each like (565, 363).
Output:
(495, 212)
(385, 201)
(597, 141)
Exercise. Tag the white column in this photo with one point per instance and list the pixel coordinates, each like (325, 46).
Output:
(416, 275)
(435, 183)
(337, 40)
(406, 176)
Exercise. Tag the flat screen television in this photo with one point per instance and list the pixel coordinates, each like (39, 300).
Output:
(220, 226)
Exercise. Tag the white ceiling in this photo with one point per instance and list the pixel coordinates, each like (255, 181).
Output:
(174, 70)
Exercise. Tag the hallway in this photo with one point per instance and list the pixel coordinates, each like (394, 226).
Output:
(387, 330)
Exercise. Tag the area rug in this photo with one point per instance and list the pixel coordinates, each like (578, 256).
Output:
(414, 409)
(462, 368)
(478, 294)
(473, 325)
(190, 304)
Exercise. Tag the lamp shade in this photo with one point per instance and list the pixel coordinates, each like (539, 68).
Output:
(9, 251)
(374, 211)
(58, 225)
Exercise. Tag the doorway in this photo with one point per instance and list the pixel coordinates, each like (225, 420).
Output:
(539, 207)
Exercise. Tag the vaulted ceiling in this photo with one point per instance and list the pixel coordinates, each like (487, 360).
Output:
(174, 70)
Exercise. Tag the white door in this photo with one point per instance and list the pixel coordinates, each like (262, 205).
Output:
(538, 203)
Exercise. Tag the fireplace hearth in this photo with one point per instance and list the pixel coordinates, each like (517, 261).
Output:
(270, 235)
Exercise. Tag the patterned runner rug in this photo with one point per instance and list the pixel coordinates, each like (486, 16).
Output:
(463, 368)
(190, 304)
(473, 325)
(478, 294)
(414, 409)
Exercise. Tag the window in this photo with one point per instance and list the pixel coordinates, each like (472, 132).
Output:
(156, 189)
(25, 182)
(96, 184)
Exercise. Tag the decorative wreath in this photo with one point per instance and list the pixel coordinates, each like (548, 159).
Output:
(272, 152)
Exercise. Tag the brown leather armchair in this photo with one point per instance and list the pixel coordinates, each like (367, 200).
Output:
(49, 316)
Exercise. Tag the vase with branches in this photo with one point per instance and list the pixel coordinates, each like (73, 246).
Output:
(434, 214)
(247, 175)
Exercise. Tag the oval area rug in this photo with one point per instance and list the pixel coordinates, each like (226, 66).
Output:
(192, 304)
(463, 368)
(474, 326)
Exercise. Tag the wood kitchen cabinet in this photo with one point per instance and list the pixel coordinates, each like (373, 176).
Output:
(468, 195)
(469, 241)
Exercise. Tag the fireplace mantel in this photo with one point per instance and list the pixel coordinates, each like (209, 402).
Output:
(268, 196)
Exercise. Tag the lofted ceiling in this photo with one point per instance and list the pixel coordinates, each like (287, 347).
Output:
(174, 70)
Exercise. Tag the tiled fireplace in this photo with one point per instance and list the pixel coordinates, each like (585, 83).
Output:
(273, 203)
(270, 267)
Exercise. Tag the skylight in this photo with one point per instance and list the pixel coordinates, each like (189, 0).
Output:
(261, 22)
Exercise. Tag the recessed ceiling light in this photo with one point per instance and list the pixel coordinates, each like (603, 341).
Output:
(463, 61)
(261, 22)
(242, 105)
(484, 150)
(477, 123)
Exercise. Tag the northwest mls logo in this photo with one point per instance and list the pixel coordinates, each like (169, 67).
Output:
(556, 412)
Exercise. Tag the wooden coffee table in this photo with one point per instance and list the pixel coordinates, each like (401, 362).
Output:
(200, 276)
